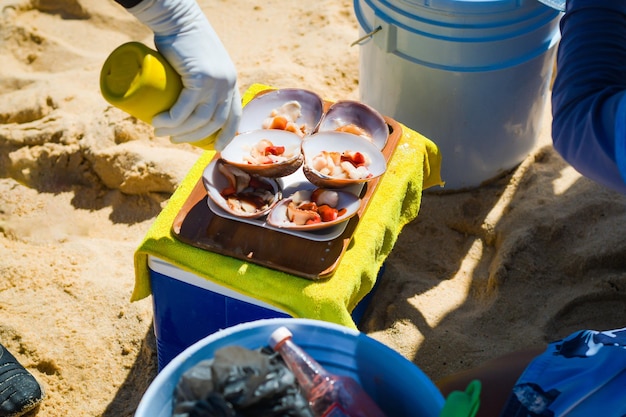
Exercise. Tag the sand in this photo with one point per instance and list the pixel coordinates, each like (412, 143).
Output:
(525, 259)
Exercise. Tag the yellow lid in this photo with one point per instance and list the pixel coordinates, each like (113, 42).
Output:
(138, 80)
(206, 143)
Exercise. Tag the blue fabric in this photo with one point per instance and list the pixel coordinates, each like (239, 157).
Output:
(582, 375)
(590, 89)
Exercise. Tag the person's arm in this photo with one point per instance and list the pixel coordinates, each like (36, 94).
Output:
(497, 377)
(589, 90)
(210, 100)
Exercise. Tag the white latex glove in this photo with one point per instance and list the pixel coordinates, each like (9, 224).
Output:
(210, 99)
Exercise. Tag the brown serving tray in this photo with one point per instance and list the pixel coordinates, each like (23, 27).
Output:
(197, 225)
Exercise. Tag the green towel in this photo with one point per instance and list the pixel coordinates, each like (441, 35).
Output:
(415, 165)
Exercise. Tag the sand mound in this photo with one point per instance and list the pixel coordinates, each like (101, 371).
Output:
(522, 260)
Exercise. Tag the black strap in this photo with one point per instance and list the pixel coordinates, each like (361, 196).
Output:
(128, 3)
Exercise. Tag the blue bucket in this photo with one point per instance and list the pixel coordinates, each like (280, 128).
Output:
(471, 75)
(395, 383)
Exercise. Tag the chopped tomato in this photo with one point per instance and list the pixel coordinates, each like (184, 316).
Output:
(275, 150)
(315, 220)
(327, 213)
(356, 158)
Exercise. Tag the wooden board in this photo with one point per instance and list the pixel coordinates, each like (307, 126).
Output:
(197, 225)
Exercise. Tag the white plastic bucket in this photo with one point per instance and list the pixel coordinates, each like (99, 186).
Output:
(471, 75)
(395, 383)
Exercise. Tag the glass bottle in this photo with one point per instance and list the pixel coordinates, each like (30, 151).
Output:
(329, 395)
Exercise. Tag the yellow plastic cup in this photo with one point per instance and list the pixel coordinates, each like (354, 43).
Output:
(138, 80)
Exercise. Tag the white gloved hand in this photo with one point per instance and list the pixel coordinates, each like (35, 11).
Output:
(210, 99)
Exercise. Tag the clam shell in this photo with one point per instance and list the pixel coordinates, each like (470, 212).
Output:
(259, 108)
(340, 142)
(236, 152)
(278, 215)
(215, 181)
(348, 112)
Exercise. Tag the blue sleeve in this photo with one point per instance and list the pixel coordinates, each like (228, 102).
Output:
(589, 92)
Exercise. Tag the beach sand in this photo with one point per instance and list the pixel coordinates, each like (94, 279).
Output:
(529, 257)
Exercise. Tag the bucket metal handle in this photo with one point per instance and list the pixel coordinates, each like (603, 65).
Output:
(368, 35)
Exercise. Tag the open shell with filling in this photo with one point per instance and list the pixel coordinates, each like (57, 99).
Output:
(239, 193)
(268, 153)
(339, 159)
(313, 209)
(292, 109)
(356, 118)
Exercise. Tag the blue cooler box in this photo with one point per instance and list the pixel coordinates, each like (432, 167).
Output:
(188, 308)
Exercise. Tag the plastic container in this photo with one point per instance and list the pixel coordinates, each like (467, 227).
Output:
(140, 81)
(329, 394)
(187, 308)
(398, 386)
(471, 75)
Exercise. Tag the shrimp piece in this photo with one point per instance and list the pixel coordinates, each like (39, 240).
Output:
(294, 128)
(284, 118)
(355, 130)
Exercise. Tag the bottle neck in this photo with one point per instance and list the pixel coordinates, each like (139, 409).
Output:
(307, 370)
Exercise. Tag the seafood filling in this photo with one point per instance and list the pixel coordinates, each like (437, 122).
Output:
(265, 152)
(355, 130)
(343, 165)
(246, 193)
(308, 207)
(284, 118)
